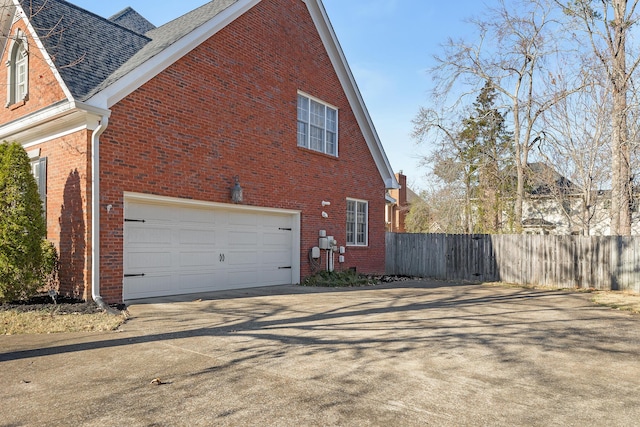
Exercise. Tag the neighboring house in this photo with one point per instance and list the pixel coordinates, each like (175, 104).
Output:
(399, 202)
(555, 205)
(139, 135)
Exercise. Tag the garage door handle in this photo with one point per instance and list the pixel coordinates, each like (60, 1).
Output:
(134, 275)
(221, 257)
(284, 268)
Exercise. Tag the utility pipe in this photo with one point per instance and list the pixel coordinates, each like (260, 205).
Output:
(95, 215)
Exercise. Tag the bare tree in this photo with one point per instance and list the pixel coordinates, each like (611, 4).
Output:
(578, 132)
(519, 50)
(608, 24)
(437, 212)
(452, 162)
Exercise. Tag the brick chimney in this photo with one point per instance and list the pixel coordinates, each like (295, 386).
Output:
(401, 206)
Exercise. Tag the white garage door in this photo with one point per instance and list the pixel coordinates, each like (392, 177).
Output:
(172, 248)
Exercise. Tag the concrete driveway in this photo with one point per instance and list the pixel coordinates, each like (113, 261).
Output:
(413, 353)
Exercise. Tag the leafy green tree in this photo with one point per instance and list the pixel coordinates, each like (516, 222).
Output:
(22, 226)
(474, 162)
(490, 152)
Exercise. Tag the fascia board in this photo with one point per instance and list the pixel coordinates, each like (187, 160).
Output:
(59, 119)
(158, 63)
(43, 51)
(349, 85)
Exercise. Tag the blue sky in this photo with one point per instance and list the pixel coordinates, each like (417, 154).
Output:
(389, 45)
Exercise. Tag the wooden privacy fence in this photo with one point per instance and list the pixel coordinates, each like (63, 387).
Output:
(600, 262)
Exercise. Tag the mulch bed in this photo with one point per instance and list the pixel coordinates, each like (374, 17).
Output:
(62, 305)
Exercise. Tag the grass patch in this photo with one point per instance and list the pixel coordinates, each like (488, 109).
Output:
(338, 279)
(618, 300)
(13, 322)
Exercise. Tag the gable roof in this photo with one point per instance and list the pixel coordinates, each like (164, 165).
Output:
(85, 48)
(544, 180)
(101, 61)
(129, 18)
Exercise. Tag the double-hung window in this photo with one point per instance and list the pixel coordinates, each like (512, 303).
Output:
(317, 125)
(18, 70)
(357, 222)
(39, 171)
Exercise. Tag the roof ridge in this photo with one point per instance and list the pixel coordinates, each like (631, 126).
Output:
(119, 14)
(102, 18)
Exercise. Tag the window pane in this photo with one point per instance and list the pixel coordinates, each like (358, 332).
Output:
(317, 142)
(303, 109)
(331, 143)
(317, 114)
(332, 120)
(362, 223)
(351, 222)
(303, 134)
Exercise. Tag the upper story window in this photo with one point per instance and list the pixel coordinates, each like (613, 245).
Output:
(18, 70)
(317, 125)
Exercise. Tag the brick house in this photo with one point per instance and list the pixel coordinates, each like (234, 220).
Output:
(163, 123)
(399, 201)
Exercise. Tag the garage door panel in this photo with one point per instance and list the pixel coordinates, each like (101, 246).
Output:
(147, 260)
(278, 258)
(239, 238)
(204, 217)
(243, 219)
(137, 235)
(274, 276)
(151, 285)
(192, 281)
(197, 237)
(276, 221)
(181, 248)
(149, 213)
(277, 239)
(199, 259)
(242, 277)
(241, 258)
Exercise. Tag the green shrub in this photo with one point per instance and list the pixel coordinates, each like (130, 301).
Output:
(22, 226)
(338, 279)
(50, 259)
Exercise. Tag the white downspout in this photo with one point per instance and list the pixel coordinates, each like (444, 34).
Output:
(95, 214)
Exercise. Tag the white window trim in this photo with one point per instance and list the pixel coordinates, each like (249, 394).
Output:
(355, 231)
(39, 171)
(19, 40)
(324, 129)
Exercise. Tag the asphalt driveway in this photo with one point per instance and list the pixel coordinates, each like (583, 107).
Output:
(413, 353)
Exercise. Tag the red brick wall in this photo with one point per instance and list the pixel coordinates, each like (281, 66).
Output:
(44, 89)
(69, 208)
(229, 108)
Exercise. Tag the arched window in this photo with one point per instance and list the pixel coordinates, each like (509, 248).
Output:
(18, 67)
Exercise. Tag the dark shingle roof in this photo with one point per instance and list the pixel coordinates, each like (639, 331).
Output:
(84, 47)
(166, 35)
(129, 18)
(92, 52)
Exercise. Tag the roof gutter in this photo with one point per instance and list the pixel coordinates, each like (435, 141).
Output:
(95, 214)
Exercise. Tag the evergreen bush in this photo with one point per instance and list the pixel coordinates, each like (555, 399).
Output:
(22, 227)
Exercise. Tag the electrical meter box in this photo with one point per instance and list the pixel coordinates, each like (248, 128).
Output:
(323, 242)
(315, 252)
